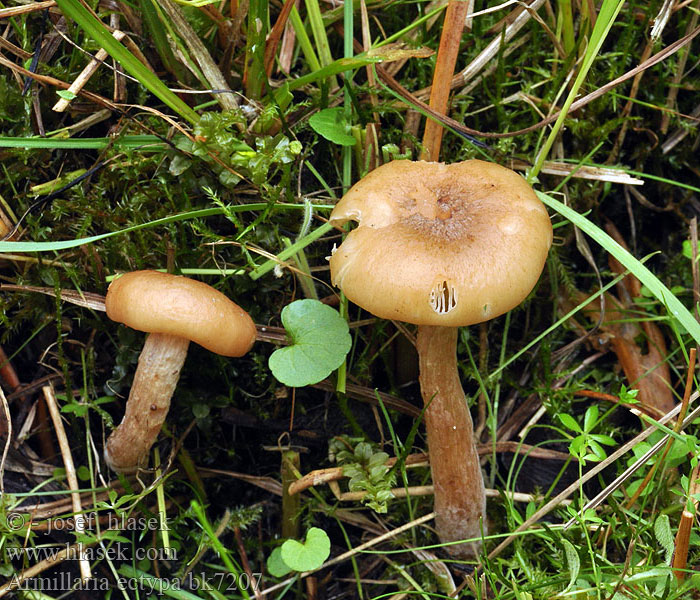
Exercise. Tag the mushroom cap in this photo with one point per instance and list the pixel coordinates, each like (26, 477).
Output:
(440, 244)
(162, 303)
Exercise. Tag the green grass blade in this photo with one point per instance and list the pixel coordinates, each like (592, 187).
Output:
(255, 76)
(14, 247)
(319, 32)
(303, 39)
(656, 287)
(73, 9)
(338, 66)
(297, 246)
(156, 30)
(604, 22)
(144, 142)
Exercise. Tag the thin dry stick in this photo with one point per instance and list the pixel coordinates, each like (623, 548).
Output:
(428, 490)
(15, 11)
(638, 464)
(85, 74)
(244, 559)
(361, 548)
(70, 476)
(8, 440)
(210, 70)
(680, 556)
(455, 17)
(15, 582)
(488, 53)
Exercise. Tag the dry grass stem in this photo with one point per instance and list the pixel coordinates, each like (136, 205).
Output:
(212, 74)
(16, 11)
(562, 169)
(71, 477)
(86, 74)
(455, 17)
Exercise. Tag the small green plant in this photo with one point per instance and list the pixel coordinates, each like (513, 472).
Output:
(368, 472)
(586, 446)
(319, 342)
(300, 556)
(332, 125)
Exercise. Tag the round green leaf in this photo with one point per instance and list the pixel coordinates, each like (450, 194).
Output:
(275, 565)
(331, 124)
(311, 554)
(319, 342)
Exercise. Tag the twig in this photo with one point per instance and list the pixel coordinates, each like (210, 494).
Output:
(86, 73)
(455, 17)
(428, 490)
(680, 555)
(15, 11)
(8, 440)
(70, 477)
(244, 559)
(321, 476)
(15, 582)
(211, 72)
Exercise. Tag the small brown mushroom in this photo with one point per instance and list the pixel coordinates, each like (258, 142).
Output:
(174, 311)
(443, 246)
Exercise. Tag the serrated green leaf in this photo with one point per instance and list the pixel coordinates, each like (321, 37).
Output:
(275, 565)
(331, 124)
(309, 555)
(320, 341)
(573, 561)
(664, 535)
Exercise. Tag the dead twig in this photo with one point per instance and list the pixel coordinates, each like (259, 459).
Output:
(71, 478)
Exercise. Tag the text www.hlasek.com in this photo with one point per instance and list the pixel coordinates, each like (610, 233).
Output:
(90, 553)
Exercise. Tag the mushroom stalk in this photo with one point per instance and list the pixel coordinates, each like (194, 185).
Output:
(460, 499)
(154, 383)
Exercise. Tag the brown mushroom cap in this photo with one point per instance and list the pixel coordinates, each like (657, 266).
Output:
(440, 244)
(161, 303)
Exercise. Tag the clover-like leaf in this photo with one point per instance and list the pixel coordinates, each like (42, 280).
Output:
(275, 565)
(331, 124)
(309, 555)
(320, 340)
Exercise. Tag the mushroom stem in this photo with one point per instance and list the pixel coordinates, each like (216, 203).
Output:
(460, 499)
(155, 380)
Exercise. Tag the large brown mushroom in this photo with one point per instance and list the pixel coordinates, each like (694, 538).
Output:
(174, 310)
(443, 246)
